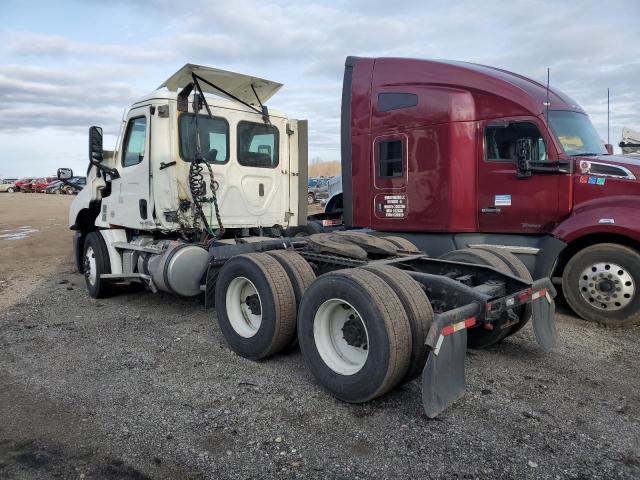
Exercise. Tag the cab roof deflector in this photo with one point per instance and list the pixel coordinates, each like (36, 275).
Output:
(249, 90)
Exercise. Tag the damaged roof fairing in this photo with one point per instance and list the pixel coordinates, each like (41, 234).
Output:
(237, 84)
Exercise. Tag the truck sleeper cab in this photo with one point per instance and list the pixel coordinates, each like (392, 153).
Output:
(203, 195)
(452, 155)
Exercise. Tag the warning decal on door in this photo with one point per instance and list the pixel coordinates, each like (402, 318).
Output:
(502, 201)
(391, 206)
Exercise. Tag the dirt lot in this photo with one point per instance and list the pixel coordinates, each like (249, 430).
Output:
(34, 239)
(143, 386)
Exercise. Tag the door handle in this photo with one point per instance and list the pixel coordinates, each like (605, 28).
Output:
(490, 210)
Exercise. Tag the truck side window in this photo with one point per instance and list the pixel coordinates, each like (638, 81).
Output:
(258, 145)
(133, 152)
(390, 159)
(500, 141)
(394, 101)
(214, 138)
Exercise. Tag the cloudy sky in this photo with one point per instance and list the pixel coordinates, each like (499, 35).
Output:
(66, 65)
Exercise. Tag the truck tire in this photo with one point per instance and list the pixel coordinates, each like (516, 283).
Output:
(304, 230)
(419, 313)
(478, 337)
(298, 270)
(518, 269)
(255, 305)
(96, 262)
(311, 199)
(403, 244)
(601, 284)
(354, 335)
(300, 275)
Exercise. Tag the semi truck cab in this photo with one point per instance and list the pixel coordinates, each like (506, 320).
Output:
(455, 155)
(256, 158)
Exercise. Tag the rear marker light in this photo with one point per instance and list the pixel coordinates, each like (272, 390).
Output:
(524, 296)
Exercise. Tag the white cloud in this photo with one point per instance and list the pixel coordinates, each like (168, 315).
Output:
(67, 81)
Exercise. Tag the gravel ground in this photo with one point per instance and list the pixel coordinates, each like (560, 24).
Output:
(143, 386)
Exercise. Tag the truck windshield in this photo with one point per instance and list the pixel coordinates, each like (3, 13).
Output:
(576, 133)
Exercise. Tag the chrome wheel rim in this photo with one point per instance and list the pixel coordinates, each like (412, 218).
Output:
(244, 307)
(90, 266)
(607, 286)
(341, 337)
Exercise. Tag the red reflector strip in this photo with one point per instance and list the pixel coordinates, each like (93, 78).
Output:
(539, 293)
(524, 296)
(449, 329)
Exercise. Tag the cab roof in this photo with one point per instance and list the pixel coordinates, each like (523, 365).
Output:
(523, 91)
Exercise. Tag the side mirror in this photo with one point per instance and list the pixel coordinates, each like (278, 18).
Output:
(65, 174)
(95, 144)
(524, 149)
(609, 148)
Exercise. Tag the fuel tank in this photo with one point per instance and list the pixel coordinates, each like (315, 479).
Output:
(178, 269)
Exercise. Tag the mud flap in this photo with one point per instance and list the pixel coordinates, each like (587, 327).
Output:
(544, 322)
(443, 380)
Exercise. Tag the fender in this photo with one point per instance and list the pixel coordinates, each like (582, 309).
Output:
(612, 215)
(333, 203)
(111, 236)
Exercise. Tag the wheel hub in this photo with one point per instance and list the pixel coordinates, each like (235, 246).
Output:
(341, 336)
(244, 307)
(354, 333)
(90, 266)
(607, 286)
(253, 303)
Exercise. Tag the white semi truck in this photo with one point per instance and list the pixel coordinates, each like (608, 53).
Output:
(630, 143)
(206, 194)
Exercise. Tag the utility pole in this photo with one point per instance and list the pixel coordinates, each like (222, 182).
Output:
(608, 117)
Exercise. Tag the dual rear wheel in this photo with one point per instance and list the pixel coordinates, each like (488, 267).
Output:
(361, 331)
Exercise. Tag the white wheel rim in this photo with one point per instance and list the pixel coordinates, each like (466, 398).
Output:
(341, 356)
(241, 307)
(607, 286)
(90, 265)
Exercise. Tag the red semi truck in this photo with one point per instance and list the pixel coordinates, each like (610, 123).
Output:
(453, 155)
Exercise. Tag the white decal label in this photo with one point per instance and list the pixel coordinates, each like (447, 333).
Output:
(502, 201)
(391, 206)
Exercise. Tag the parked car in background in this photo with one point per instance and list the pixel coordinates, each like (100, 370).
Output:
(70, 187)
(73, 186)
(54, 187)
(40, 184)
(317, 189)
(8, 185)
(24, 184)
(334, 189)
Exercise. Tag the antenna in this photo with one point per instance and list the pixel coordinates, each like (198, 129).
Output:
(547, 103)
(608, 115)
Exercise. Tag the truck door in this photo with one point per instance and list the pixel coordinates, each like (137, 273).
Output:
(264, 165)
(132, 188)
(389, 179)
(507, 203)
